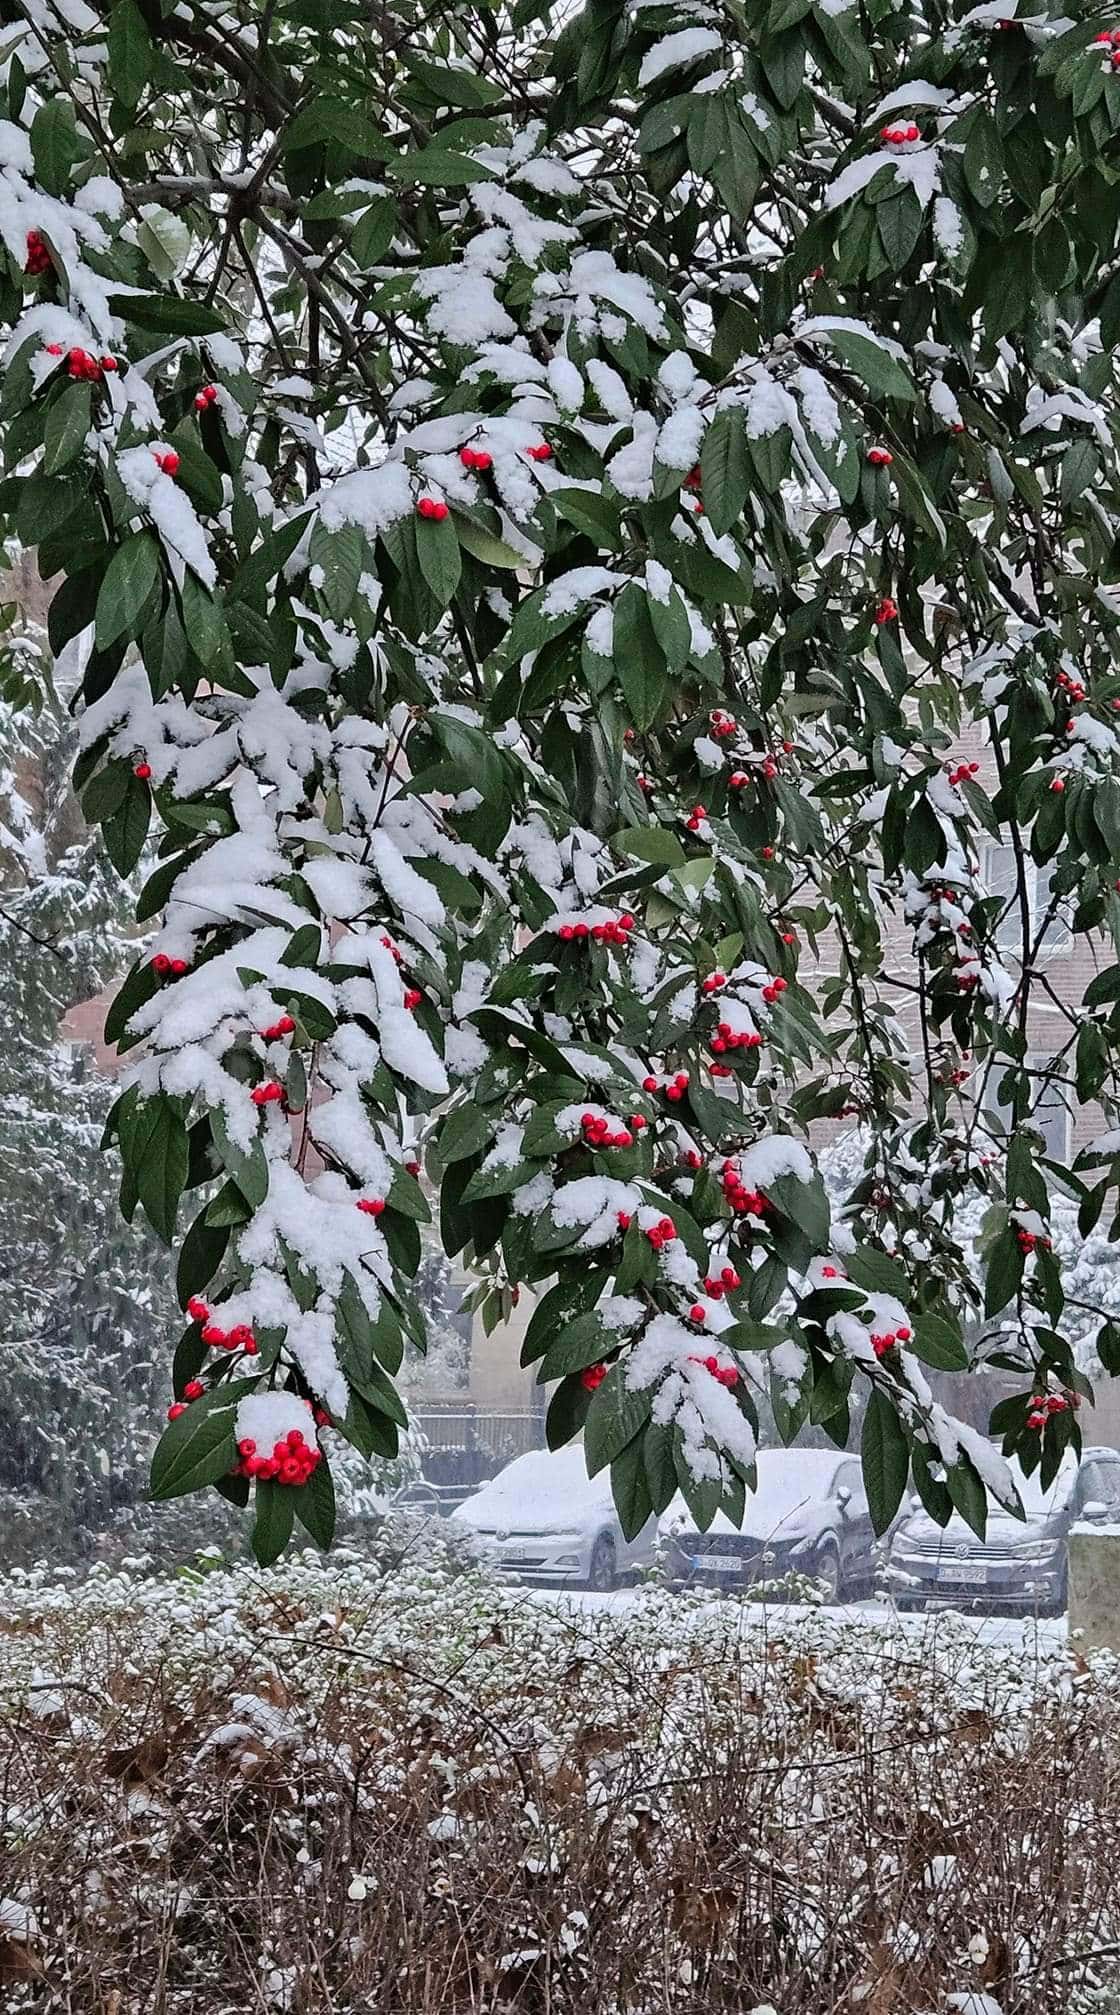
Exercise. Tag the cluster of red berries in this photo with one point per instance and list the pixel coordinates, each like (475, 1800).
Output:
(162, 965)
(717, 1287)
(193, 1389)
(774, 990)
(692, 1159)
(724, 1374)
(1029, 1240)
(880, 458)
(168, 462)
(284, 1026)
(1112, 36)
(713, 983)
(616, 931)
(80, 364)
(475, 458)
(271, 1093)
(967, 977)
(239, 1338)
(412, 998)
(885, 1340)
(208, 396)
(661, 1233)
(38, 254)
(541, 453)
(1073, 690)
(962, 772)
(895, 136)
(1042, 1405)
(593, 1377)
(723, 725)
(676, 1087)
(696, 818)
(748, 1202)
(432, 507)
(886, 611)
(728, 1038)
(292, 1460)
(597, 1131)
(371, 1205)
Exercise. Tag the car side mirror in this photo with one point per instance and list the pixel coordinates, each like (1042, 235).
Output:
(843, 1497)
(1096, 1509)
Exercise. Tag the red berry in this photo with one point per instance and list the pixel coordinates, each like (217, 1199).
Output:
(372, 1205)
(697, 1313)
(161, 963)
(179, 967)
(267, 1094)
(193, 1389)
(541, 453)
(623, 1220)
(168, 463)
(197, 1309)
(593, 1377)
(1057, 784)
(142, 770)
(433, 508)
(650, 1083)
(174, 1412)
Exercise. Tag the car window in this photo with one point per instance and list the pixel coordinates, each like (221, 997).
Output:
(850, 1477)
(1100, 1482)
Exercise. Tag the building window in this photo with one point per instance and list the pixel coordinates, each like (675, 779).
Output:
(1000, 880)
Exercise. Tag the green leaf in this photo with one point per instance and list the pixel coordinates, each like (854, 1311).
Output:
(1004, 1274)
(725, 467)
(873, 365)
(249, 1171)
(125, 833)
(465, 1131)
(67, 424)
(614, 1417)
(885, 1457)
(655, 844)
(581, 1343)
(983, 159)
(200, 1446)
(630, 1489)
(130, 577)
(440, 168)
(591, 513)
(155, 1149)
(638, 656)
(56, 144)
(937, 1342)
(130, 51)
(167, 314)
(275, 1519)
(315, 1505)
(437, 549)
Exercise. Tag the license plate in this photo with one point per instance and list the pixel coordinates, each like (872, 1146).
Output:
(969, 1574)
(719, 1563)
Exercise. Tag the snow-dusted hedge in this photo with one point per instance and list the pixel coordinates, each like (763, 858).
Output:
(352, 1788)
(543, 492)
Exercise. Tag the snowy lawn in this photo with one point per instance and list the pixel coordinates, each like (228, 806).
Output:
(350, 1787)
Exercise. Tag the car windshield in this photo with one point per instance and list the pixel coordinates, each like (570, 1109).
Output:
(786, 1481)
(541, 1482)
(1039, 1503)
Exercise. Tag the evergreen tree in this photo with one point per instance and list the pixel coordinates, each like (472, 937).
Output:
(548, 488)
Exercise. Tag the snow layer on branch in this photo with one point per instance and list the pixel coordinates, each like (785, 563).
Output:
(371, 498)
(169, 508)
(674, 51)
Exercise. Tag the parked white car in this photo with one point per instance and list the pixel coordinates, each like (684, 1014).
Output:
(544, 1519)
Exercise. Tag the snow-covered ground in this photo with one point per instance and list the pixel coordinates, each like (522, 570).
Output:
(1025, 1634)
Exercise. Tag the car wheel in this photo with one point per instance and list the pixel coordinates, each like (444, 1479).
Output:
(603, 1570)
(826, 1570)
